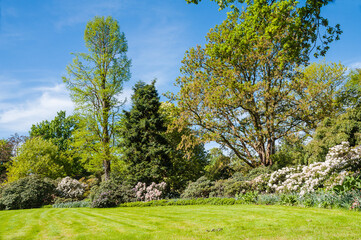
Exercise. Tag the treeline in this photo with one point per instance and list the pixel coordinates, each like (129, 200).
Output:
(251, 89)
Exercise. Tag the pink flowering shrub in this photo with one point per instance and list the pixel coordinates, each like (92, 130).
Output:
(152, 192)
(71, 188)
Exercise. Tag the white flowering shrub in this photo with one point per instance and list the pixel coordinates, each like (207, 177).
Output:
(71, 188)
(340, 160)
(152, 192)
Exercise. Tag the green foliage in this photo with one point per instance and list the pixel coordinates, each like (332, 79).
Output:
(77, 204)
(60, 132)
(350, 183)
(245, 89)
(248, 197)
(37, 156)
(183, 202)
(187, 163)
(5, 157)
(333, 131)
(145, 149)
(95, 82)
(219, 166)
(111, 193)
(309, 20)
(198, 189)
(288, 199)
(8, 149)
(351, 94)
(291, 151)
(253, 173)
(28, 192)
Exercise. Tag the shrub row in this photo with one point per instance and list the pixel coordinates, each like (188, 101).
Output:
(77, 204)
(347, 200)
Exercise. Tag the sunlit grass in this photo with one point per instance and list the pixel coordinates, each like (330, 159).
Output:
(181, 222)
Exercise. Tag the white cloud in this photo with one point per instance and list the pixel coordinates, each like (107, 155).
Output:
(356, 65)
(18, 117)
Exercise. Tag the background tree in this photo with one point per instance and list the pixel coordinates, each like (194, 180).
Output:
(219, 166)
(5, 157)
(350, 97)
(60, 132)
(243, 89)
(334, 131)
(188, 165)
(95, 82)
(8, 149)
(145, 149)
(37, 156)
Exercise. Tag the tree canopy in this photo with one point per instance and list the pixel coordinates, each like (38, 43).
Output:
(37, 156)
(95, 82)
(245, 89)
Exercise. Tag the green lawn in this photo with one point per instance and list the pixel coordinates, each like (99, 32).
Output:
(181, 222)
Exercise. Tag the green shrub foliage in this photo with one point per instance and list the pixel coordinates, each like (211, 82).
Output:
(198, 189)
(111, 193)
(28, 192)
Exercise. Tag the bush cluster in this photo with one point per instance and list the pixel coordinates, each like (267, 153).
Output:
(149, 193)
(340, 162)
(28, 192)
(71, 188)
(111, 193)
(254, 180)
(349, 200)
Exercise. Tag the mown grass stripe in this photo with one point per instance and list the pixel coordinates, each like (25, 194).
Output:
(181, 222)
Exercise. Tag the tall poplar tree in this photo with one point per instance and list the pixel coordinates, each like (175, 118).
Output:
(95, 82)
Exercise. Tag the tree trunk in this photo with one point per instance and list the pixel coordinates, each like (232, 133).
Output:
(106, 166)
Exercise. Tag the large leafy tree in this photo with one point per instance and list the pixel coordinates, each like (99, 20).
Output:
(146, 150)
(95, 82)
(37, 156)
(244, 89)
(60, 132)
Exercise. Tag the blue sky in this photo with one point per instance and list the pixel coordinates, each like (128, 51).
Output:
(37, 37)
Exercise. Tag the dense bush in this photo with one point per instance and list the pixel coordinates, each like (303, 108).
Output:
(110, 193)
(198, 189)
(149, 193)
(71, 188)
(28, 192)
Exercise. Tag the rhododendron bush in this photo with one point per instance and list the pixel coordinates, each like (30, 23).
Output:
(342, 160)
(152, 192)
(71, 188)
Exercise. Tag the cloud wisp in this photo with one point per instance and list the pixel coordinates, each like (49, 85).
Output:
(18, 117)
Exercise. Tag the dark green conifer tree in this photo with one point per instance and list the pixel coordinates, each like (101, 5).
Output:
(145, 149)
